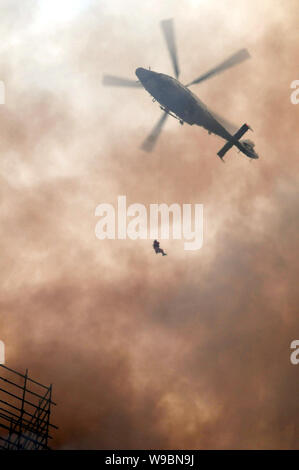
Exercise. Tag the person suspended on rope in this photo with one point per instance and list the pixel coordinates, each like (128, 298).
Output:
(156, 246)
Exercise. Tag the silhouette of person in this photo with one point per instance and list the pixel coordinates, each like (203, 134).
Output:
(156, 246)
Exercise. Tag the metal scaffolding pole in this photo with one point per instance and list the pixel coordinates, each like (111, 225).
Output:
(25, 411)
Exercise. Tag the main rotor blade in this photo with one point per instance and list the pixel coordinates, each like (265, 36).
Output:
(111, 80)
(168, 31)
(149, 142)
(235, 59)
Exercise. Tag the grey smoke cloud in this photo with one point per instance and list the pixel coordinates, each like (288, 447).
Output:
(191, 351)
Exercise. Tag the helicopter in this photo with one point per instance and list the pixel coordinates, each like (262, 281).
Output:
(178, 101)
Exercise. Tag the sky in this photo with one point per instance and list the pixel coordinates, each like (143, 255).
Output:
(188, 351)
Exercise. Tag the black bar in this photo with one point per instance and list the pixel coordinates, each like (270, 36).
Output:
(184, 459)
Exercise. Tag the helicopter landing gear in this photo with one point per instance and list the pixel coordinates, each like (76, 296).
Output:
(172, 114)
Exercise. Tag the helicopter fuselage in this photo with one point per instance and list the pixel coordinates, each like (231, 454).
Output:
(174, 97)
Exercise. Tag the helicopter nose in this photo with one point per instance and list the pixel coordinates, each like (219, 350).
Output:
(141, 73)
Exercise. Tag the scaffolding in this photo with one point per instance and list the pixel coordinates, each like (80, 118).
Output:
(25, 407)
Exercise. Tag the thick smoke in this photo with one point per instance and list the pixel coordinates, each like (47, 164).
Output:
(188, 351)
